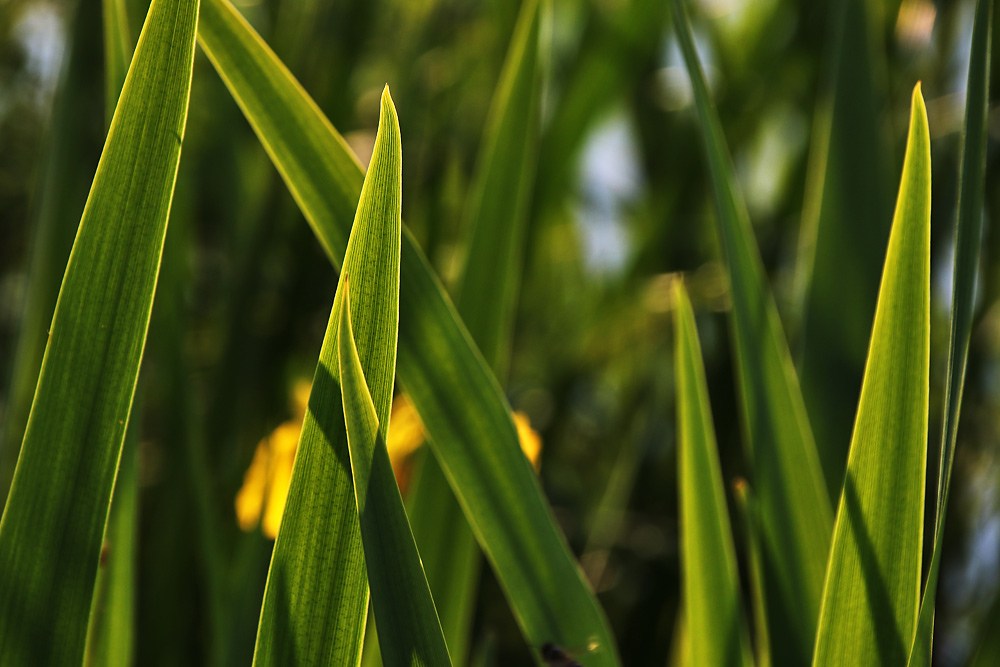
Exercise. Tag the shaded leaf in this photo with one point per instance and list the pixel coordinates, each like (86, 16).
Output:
(846, 217)
(411, 631)
(968, 237)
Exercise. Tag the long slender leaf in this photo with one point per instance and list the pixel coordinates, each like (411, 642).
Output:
(117, 51)
(411, 631)
(496, 218)
(716, 630)
(111, 635)
(794, 504)
(75, 138)
(53, 523)
(968, 233)
(748, 508)
(496, 213)
(460, 402)
(316, 598)
(449, 551)
(846, 217)
(872, 588)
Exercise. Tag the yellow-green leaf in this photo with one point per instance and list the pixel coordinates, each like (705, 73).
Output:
(716, 629)
(968, 235)
(411, 632)
(117, 51)
(316, 597)
(794, 504)
(496, 221)
(53, 523)
(758, 596)
(872, 588)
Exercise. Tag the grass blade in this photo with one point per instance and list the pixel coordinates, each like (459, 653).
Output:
(53, 523)
(846, 217)
(411, 632)
(496, 217)
(872, 589)
(110, 636)
(968, 234)
(716, 629)
(497, 206)
(794, 504)
(61, 194)
(316, 598)
(460, 402)
(117, 51)
(748, 509)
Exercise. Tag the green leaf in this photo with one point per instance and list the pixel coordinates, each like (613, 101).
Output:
(716, 629)
(968, 236)
(846, 217)
(411, 631)
(117, 51)
(317, 592)
(61, 194)
(748, 509)
(496, 213)
(111, 635)
(460, 402)
(794, 504)
(872, 588)
(496, 218)
(450, 554)
(53, 523)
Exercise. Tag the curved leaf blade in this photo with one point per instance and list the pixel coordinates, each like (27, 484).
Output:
(845, 222)
(316, 598)
(968, 234)
(872, 588)
(110, 633)
(411, 632)
(748, 509)
(459, 401)
(715, 624)
(497, 220)
(117, 51)
(53, 523)
(794, 504)
(496, 214)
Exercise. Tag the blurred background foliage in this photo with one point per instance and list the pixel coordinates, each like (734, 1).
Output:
(813, 98)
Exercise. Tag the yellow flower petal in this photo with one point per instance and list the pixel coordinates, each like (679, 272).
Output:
(406, 431)
(531, 442)
(265, 485)
(281, 479)
(250, 498)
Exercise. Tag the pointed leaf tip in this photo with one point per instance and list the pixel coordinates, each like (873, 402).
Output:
(388, 107)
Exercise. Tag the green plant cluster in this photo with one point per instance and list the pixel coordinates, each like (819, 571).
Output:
(745, 364)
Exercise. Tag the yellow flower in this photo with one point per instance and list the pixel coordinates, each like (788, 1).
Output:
(265, 484)
(406, 435)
